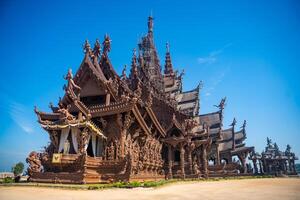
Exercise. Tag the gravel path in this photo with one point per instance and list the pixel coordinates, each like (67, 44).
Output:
(274, 188)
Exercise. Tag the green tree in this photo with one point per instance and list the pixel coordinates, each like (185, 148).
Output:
(18, 169)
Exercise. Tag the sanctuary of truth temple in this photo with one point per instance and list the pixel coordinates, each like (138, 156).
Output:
(142, 126)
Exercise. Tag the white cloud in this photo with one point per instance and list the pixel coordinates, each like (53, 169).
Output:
(22, 116)
(212, 57)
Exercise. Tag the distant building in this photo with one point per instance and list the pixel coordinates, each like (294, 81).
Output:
(273, 161)
(6, 174)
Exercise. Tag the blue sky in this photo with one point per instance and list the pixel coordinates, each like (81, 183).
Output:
(247, 51)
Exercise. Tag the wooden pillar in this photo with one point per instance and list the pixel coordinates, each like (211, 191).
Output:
(170, 161)
(204, 161)
(182, 161)
(255, 166)
(261, 170)
(190, 161)
(122, 141)
(218, 160)
(244, 165)
(290, 165)
(107, 99)
(294, 167)
(243, 162)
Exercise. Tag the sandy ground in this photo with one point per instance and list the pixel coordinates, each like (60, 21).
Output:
(279, 188)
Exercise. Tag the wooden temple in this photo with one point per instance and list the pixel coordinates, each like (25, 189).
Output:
(273, 161)
(109, 127)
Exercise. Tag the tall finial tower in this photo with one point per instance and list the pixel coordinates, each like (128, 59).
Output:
(150, 25)
(168, 63)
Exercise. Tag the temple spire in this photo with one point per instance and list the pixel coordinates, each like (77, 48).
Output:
(233, 122)
(134, 69)
(87, 48)
(97, 49)
(168, 63)
(106, 44)
(150, 24)
(233, 133)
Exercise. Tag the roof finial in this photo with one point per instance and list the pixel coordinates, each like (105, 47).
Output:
(200, 85)
(134, 70)
(150, 24)
(221, 104)
(97, 48)
(86, 47)
(244, 124)
(233, 122)
(168, 63)
(168, 47)
(106, 44)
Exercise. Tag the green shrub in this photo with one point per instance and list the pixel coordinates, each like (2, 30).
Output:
(8, 180)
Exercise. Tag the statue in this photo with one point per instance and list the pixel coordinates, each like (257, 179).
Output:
(196, 168)
(65, 115)
(71, 87)
(123, 77)
(97, 49)
(233, 122)
(34, 162)
(222, 104)
(288, 149)
(54, 139)
(66, 147)
(269, 142)
(106, 44)
(110, 151)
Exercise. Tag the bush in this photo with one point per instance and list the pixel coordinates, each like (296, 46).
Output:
(8, 180)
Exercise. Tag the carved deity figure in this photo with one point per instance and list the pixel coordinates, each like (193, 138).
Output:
(269, 142)
(123, 76)
(196, 168)
(65, 115)
(83, 141)
(106, 44)
(110, 151)
(34, 162)
(71, 87)
(54, 139)
(66, 147)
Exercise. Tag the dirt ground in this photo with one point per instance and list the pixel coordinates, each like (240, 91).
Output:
(274, 188)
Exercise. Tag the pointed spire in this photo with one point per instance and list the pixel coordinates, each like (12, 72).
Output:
(87, 48)
(97, 49)
(150, 24)
(200, 85)
(106, 44)
(123, 76)
(134, 70)
(221, 104)
(244, 125)
(168, 63)
(233, 122)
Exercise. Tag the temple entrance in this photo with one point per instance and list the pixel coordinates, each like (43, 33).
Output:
(89, 150)
(176, 156)
(95, 146)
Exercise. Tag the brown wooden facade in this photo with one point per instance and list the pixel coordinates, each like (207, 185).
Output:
(138, 127)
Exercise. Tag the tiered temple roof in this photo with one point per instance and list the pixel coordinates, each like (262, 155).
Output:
(129, 123)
